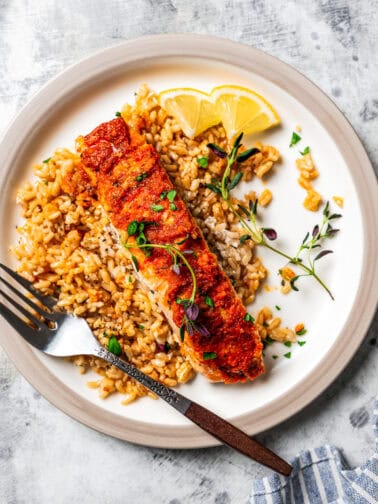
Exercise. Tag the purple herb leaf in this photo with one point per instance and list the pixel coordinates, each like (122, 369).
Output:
(315, 231)
(189, 326)
(322, 254)
(270, 233)
(192, 311)
(200, 328)
(160, 347)
(218, 151)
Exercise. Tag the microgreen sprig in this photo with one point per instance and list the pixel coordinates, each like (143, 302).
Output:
(247, 216)
(191, 309)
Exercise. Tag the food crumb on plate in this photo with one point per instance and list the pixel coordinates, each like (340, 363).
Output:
(339, 200)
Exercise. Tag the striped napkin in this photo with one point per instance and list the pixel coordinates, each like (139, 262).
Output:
(321, 476)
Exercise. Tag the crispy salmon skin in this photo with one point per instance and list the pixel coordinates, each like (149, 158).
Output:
(126, 174)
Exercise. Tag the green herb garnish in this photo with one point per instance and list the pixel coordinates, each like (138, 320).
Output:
(171, 195)
(46, 160)
(157, 208)
(132, 228)
(287, 343)
(172, 206)
(301, 343)
(140, 326)
(248, 318)
(274, 357)
(209, 301)
(118, 114)
(135, 262)
(287, 355)
(203, 161)
(163, 194)
(247, 217)
(114, 346)
(295, 138)
(209, 355)
(305, 151)
(141, 177)
(244, 238)
(130, 279)
(191, 309)
(278, 308)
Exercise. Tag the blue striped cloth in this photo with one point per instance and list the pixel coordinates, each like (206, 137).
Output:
(321, 476)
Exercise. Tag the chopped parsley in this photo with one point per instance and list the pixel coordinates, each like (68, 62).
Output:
(157, 208)
(274, 357)
(118, 114)
(295, 138)
(46, 160)
(301, 343)
(114, 346)
(209, 355)
(171, 195)
(130, 279)
(287, 343)
(141, 177)
(163, 194)
(248, 318)
(172, 206)
(278, 308)
(305, 151)
(132, 228)
(287, 355)
(209, 301)
(140, 326)
(203, 161)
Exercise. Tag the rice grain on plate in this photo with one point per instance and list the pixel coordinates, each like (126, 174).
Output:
(67, 248)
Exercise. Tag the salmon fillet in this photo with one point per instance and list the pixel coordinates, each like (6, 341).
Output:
(130, 183)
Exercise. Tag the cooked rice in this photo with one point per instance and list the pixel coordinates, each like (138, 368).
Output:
(67, 248)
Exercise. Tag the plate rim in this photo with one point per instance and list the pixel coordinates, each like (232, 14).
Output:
(354, 155)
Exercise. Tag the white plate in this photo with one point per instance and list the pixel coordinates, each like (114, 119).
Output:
(89, 93)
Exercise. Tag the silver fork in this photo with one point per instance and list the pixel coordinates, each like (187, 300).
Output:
(53, 335)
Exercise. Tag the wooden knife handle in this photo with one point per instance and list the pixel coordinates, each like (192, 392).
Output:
(235, 438)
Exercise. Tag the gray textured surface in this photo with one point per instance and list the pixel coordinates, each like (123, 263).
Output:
(44, 455)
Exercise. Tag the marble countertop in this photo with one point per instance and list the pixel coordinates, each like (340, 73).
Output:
(45, 456)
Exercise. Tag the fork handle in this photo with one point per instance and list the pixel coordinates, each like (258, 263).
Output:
(204, 418)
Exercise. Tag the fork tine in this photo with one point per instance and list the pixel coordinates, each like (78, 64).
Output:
(46, 300)
(31, 335)
(24, 311)
(28, 301)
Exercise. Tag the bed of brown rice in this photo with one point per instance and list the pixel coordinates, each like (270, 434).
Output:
(67, 248)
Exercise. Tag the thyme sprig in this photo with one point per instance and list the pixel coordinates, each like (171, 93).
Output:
(191, 309)
(247, 217)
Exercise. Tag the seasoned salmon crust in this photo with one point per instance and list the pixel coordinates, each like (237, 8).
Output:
(130, 183)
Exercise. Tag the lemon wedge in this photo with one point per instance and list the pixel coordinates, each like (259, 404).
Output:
(194, 110)
(243, 110)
